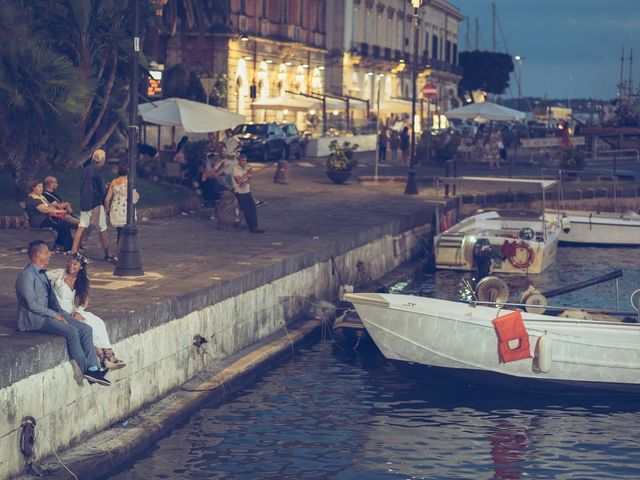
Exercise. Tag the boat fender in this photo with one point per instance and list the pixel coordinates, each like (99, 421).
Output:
(543, 352)
(535, 302)
(565, 223)
(576, 315)
(522, 263)
(513, 338)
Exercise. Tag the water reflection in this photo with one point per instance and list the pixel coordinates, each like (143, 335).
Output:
(332, 413)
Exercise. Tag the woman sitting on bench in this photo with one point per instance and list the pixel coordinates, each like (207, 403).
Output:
(42, 215)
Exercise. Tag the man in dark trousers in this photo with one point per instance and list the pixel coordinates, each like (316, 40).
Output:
(92, 193)
(40, 312)
(242, 188)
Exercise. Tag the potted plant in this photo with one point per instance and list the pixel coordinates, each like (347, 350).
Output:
(341, 163)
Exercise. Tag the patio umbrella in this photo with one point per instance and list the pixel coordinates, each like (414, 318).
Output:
(395, 105)
(485, 111)
(194, 117)
(285, 102)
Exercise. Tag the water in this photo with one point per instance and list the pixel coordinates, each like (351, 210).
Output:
(331, 413)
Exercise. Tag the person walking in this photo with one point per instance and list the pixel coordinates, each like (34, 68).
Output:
(92, 194)
(242, 188)
(40, 312)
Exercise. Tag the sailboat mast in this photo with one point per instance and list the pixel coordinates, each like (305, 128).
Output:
(621, 82)
(493, 13)
(630, 85)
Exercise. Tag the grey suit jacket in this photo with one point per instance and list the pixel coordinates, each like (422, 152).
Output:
(35, 301)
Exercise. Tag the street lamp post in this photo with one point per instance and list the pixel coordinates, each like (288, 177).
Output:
(519, 60)
(129, 262)
(412, 186)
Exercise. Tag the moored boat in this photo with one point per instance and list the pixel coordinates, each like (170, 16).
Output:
(598, 228)
(512, 241)
(528, 348)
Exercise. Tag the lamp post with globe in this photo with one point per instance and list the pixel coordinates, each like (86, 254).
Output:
(412, 187)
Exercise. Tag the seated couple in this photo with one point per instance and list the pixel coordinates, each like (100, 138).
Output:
(54, 303)
(45, 209)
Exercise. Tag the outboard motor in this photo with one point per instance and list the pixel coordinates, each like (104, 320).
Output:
(482, 256)
(565, 223)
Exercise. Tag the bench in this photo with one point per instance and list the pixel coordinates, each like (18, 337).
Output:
(41, 233)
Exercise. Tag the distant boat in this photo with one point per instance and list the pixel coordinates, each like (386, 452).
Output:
(515, 241)
(504, 347)
(598, 228)
(349, 330)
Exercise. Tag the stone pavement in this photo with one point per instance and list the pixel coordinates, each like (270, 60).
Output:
(186, 254)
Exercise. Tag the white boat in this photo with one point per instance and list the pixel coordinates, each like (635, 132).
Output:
(462, 340)
(598, 228)
(519, 242)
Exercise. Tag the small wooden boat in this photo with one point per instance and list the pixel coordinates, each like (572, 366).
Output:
(349, 330)
(598, 228)
(510, 348)
(512, 241)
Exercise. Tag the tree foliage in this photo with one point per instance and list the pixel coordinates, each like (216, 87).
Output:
(486, 71)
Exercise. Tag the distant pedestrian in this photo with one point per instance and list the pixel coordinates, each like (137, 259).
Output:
(231, 143)
(404, 145)
(92, 195)
(394, 144)
(242, 188)
(382, 145)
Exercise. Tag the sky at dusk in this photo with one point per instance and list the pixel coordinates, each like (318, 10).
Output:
(571, 48)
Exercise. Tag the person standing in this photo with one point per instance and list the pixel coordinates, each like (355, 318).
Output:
(92, 194)
(394, 144)
(40, 312)
(231, 143)
(382, 145)
(404, 145)
(242, 188)
(116, 201)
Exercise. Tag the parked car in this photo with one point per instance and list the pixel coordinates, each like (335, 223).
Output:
(261, 141)
(292, 139)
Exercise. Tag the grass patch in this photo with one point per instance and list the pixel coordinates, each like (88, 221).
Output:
(151, 194)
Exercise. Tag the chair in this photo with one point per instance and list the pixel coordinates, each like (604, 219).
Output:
(41, 233)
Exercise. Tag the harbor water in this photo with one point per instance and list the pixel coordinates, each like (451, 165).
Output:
(332, 413)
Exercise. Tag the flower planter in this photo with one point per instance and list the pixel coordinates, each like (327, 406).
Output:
(339, 176)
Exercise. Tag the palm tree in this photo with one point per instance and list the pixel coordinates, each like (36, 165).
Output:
(41, 94)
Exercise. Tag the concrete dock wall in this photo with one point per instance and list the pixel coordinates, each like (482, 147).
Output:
(160, 346)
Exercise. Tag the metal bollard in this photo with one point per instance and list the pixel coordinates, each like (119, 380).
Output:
(282, 172)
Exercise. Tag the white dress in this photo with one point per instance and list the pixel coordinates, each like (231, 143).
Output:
(65, 297)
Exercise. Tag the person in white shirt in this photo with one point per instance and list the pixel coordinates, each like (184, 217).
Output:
(242, 188)
(231, 143)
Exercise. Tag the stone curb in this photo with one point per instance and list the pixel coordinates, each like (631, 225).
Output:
(106, 451)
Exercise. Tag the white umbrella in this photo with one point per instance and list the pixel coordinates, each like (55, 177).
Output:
(485, 111)
(396, 105)
(194, 117)
(285, 102)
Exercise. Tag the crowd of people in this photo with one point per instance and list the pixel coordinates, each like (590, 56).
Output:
(395, 139)
(46, 209)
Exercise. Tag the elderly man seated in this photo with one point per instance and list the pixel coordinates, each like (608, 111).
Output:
(50, 185)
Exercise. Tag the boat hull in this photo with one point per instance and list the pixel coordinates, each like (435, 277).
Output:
(454, 248)
(454, 336)
(588, 228)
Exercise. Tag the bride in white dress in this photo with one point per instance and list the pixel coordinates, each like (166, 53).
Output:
(71, 287)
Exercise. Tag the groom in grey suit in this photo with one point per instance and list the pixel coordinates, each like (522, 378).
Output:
(39, 311)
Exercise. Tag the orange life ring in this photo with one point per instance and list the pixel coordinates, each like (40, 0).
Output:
(523, 264)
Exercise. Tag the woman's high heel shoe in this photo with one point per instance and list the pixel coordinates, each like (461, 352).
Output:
(110, 361)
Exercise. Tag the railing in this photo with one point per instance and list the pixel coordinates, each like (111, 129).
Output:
(608, 155)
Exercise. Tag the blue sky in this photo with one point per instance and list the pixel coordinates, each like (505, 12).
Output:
(571, 48)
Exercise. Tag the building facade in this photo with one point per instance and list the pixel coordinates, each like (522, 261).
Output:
(263, 49)
(371, 49)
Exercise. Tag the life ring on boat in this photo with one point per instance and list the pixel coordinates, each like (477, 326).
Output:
(516, 261)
